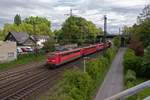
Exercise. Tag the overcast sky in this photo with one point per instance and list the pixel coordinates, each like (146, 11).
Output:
(119, 12)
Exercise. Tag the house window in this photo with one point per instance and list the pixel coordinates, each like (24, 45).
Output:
(11, 54)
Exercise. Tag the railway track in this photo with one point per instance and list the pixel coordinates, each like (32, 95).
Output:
(10, 74)
(23, 86)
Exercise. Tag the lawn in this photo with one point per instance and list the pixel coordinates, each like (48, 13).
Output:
(21, 60)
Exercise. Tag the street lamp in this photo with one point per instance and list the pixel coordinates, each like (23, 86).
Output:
(84, 62)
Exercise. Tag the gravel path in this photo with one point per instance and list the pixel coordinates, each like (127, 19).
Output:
(113, 82)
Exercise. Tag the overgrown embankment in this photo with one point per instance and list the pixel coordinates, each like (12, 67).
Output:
(80, 85)
(137, 70)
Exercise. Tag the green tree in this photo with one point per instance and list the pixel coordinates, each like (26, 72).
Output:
(144, 15)
(143, 32)
(23, 27)
(79, 30)
(145, 72)
(10, 27)
(141, 29)
(17, 20)
(146, 58)
(49, 45)
(41, 25)
(58, 35)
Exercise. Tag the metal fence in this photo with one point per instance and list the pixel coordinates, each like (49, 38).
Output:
(131, 91)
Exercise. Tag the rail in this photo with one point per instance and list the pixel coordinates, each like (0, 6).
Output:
(131, 91)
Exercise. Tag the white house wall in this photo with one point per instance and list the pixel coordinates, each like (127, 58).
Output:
(8, 51)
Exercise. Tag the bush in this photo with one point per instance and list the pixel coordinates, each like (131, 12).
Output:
(109, 54)
(117, 42)
(104, 62)
(132, 62)
(93, 69)
(130, 76)
(62, 96)
(145, 70)
(137, 46)
(140, 65)
(77, 85)
(49, 45)
(96, 68)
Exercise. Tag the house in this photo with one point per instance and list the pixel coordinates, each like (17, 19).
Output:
(40, 39)
(21, 38)
(8, 51)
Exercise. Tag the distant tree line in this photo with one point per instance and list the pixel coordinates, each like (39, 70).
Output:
(31, 25)
(74, 29)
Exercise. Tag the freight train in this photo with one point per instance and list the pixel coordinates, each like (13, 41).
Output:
(55, 59)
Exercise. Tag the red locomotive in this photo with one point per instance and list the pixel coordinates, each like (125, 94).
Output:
(58, 58)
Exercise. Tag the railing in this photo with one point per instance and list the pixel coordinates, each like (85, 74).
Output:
(148, 98)
(131, 91)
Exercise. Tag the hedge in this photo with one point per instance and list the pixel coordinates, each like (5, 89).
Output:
(130, 76)
(136, 68)
(117, 42)
(135, 63)
(77, 85)
(110, 53)
(131, 61)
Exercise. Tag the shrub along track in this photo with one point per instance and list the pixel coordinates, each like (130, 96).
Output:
(24, 83)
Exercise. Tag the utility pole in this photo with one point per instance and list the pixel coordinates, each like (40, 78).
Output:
(70, 13)
(105, 28)
(84, 63)
(34, 32)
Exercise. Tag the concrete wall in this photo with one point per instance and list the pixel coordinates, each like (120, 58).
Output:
(8, 51)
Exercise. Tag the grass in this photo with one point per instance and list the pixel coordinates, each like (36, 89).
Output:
(141, 95)
(21, 60)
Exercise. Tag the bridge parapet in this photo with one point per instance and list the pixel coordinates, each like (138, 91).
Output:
(131, 91)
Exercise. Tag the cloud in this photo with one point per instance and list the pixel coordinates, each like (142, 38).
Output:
(119, 12)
